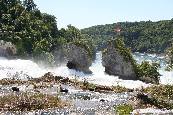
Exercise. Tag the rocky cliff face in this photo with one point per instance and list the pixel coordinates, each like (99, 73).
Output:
(7, 49)
(116, 64)
(77, 58)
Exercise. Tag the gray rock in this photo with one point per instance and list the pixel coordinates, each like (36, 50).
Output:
(78, 58)
(115, 64)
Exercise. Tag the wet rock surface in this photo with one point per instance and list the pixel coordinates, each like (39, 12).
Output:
(78, 58)
(115, 63)
(82, 102)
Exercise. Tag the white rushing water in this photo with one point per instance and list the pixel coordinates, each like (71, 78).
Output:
(24, 68)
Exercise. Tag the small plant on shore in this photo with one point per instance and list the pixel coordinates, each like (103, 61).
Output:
(120, 89)
(88, 86)
(162, 96)
(124, 109)
(10, 81)
(161, 91)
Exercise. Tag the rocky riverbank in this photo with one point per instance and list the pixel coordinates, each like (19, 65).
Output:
(72, 96)
(64, 94)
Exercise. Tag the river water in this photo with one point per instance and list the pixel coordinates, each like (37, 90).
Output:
(26, 68)
(22, 69)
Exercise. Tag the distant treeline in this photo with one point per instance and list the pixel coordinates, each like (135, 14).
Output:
(144, 36)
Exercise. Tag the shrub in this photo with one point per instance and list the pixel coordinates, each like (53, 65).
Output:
(148, 72)
(124, 109)
(120, 89)
(161, 91)
(162, 95)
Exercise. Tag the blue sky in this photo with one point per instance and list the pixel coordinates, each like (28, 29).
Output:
(86, 13)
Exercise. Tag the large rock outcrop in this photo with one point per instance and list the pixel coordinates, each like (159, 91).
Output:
(7, 49)
(78, 58)
(118, 61)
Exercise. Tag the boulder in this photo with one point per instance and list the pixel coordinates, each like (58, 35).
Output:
(116, 62)
(7, 49)
(63, 89)
(78, 58)
(16, 89)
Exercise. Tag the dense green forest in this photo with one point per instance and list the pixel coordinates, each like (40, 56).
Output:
(144, 36)
(32, 32)
(36, 34)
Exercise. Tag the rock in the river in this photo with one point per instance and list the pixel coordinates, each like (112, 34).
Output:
(16, 89)
(118, 60)
(7, 49)
(63, 89)
(78, 58)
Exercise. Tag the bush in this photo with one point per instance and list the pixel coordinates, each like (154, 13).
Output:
(148, 72)
(162, 95)
(161, 91)
(124, 109)
(120, 89)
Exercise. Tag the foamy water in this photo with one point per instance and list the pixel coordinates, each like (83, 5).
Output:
(152, 111)
(27, 68)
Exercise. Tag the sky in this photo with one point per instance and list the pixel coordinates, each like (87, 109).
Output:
(86, 13)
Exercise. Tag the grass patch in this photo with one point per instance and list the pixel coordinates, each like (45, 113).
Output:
(124, 109)
(160, 91)
(162, 95)
(11, 81)
(120, 89)
(29, 101)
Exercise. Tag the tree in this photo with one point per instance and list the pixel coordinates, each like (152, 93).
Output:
(29, 5)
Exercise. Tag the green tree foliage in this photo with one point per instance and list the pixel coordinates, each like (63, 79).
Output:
(35, 33)
(148, 72)
(25, 28)
(126, 52)
(29, 5)
(139, 36)
(74, 36)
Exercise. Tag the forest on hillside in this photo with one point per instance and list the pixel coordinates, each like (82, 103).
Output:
(35, 34)
(143, 36)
